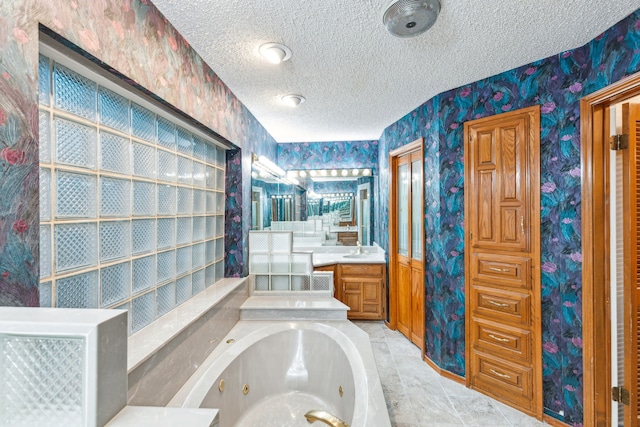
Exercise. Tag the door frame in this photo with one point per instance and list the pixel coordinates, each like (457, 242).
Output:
(417, 145)
(596, 296)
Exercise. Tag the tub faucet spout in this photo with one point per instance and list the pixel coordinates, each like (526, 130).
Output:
(325, 417)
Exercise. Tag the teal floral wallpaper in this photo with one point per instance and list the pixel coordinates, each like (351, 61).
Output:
(328, 155)
(556, 84)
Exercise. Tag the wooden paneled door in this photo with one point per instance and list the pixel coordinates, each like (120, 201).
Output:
(502, 258)
(631, 292)
(406, 254)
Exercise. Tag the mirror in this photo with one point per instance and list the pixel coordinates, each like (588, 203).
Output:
(274, 201)
(320, 209)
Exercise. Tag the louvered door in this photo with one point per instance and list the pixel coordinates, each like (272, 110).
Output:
(631, 159)
(502, 255)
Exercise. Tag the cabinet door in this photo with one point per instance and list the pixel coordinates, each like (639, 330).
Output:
(364, 296)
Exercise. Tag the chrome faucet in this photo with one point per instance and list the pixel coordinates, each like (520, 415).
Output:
(325, 417)
(359, 248)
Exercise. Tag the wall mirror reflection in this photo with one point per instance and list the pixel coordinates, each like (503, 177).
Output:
(321, 207)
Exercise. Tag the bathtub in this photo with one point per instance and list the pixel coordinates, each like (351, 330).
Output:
(270, 373)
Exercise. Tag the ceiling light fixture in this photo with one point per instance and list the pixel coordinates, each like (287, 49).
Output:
(409, 18)
(293, 100)
(275, 52)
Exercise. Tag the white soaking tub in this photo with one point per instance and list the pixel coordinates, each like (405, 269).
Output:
(273, 372)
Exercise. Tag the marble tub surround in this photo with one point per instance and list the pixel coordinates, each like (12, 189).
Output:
(308, 360)
(292, 307)
(327, 255)
(136, 416)
(62, 367)
(173, 346)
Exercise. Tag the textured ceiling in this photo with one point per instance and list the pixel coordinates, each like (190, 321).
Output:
(357, 78)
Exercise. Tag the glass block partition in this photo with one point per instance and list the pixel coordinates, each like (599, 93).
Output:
(131, 200)
(275, 267)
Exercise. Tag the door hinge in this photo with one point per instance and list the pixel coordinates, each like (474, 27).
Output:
(619, 142)
(620, 394)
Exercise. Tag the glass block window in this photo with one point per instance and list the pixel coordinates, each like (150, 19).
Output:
(131, 199)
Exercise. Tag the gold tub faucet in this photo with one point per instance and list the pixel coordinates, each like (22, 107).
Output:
(325, 417)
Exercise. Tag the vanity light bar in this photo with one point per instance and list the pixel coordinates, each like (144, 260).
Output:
(303, 173)
(332, 196)
(264, 164)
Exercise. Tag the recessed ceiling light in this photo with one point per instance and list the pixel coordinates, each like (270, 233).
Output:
(293, 100)
(355, 172)
(275, 52)
(345, 172)
(334, 172)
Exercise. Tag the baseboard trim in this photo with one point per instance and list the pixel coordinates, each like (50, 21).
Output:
(388, 325)
(445, 373)
(553, 421)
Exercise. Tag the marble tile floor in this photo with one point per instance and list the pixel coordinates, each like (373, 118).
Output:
(419, 397)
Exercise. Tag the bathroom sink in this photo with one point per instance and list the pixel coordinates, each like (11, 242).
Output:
(357, 256)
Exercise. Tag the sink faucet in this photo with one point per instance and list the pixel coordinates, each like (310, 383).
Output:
(325, 417)
(359, 247)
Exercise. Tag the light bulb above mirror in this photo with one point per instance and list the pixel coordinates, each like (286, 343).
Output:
(320, 174)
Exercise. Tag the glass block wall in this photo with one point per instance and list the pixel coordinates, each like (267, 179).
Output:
(131, 202)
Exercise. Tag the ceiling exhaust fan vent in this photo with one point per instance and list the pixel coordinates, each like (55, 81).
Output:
(409, 18)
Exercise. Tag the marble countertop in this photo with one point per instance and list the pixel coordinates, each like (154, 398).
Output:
(327, 255)
(342, 258)
(343, 228)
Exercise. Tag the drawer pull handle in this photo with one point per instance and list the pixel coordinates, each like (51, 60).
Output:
(501, 375)
(499, 270)
(498, 304)
(499, 339)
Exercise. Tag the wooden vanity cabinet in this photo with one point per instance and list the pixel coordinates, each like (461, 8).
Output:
(348, 238)
(362, 287)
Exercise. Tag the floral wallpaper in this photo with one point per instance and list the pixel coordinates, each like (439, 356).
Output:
(328, 155)
(556, 84)
(156, 59)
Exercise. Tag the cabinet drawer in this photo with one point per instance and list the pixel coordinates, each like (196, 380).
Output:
(502, 305)
(509, 382)
(511, 343)
(502, 270)
(359, 270)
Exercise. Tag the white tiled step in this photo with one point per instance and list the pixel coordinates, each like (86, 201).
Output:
(292, 308)
(150, 416)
